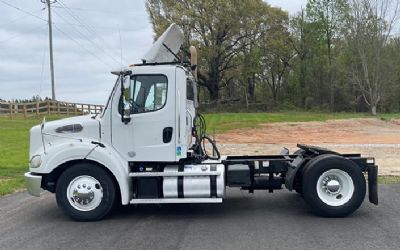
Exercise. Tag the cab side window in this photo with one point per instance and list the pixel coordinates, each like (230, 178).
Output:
(189, 89)
(147, 93)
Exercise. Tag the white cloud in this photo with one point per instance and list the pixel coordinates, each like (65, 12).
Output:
(292, 6)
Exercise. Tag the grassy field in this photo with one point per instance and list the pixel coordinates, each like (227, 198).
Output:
(14, 150)
(14, 138)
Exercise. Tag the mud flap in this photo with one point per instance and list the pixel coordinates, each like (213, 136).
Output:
(373, 184)
(292, 171)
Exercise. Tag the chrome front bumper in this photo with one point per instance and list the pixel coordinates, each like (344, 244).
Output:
(33, 184)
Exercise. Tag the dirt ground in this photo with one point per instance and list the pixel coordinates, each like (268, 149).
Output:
(370, 137)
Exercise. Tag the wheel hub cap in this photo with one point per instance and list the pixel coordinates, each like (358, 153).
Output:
(84, 193)
(332, 186)
(335, 187)
(83, 196)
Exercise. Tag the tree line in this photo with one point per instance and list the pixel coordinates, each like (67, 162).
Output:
(333, 55)
(34, 98)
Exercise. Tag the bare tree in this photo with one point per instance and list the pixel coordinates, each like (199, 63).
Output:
(370, 26)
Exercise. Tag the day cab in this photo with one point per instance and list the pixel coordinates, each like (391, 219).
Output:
(149, 146)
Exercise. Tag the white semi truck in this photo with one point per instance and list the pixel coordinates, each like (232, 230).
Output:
(149, 146)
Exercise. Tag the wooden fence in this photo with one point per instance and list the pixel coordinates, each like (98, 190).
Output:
(47, 107)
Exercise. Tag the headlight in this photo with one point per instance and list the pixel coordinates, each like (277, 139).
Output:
(35, 162)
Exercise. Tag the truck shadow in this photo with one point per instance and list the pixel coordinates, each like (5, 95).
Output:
(238, 205)
(234, 205)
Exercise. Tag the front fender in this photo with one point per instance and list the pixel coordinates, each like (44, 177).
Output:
(109, 158)
(56, 155)
(106, 156)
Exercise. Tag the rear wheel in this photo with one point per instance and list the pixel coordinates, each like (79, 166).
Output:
(85, 192)
(333, 186)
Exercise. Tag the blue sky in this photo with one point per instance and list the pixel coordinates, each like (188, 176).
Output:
(88, 37)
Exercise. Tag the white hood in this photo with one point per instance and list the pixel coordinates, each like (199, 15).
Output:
(54, 132)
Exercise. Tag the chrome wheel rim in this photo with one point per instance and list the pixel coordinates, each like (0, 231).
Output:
(335, 187)
(84, 193)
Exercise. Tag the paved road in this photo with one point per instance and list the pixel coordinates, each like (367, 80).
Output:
(261, 221)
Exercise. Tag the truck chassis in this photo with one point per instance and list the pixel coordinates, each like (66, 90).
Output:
(261, 172)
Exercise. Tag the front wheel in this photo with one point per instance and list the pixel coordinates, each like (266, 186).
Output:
(333, 186)
(85, 192)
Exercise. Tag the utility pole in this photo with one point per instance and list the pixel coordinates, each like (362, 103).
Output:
(48, 3)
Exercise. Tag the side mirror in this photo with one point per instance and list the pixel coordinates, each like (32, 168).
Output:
(124, 105)
(126, 113)
(125, 83)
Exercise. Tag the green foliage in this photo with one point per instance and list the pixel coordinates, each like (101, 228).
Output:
(319, 59)
(224, 31)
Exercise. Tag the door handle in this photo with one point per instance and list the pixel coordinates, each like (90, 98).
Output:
(167, 134)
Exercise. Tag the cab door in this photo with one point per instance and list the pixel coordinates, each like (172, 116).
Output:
(150, 135)
(183, 118)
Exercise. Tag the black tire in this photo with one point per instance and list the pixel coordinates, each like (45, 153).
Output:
(317, 167)
(106, 183)
(298, 187)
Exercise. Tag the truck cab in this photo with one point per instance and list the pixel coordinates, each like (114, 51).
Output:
(149, 145)
(151, 119)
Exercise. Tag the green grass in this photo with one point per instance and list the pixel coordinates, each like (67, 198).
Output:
(388, 179)
(222, 122)
(14, 138)
(14, 151)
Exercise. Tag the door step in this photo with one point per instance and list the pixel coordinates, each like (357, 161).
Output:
(172, 174)
(176, 200)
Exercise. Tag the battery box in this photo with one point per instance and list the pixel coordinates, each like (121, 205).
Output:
(238, 175)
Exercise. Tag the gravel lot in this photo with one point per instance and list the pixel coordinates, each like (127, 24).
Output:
(370, 137)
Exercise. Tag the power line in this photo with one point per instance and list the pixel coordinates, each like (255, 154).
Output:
(86, 37)
(81, 46)
(42, 71)
(85, 25)
(50, 23)
(80, 25)
(99, 11)
(21, 34)
(120, 42)
(42, 19)
(57, 28)
(19, 18)
(24, 11)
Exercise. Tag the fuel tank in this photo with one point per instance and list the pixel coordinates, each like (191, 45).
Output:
(196, 186)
